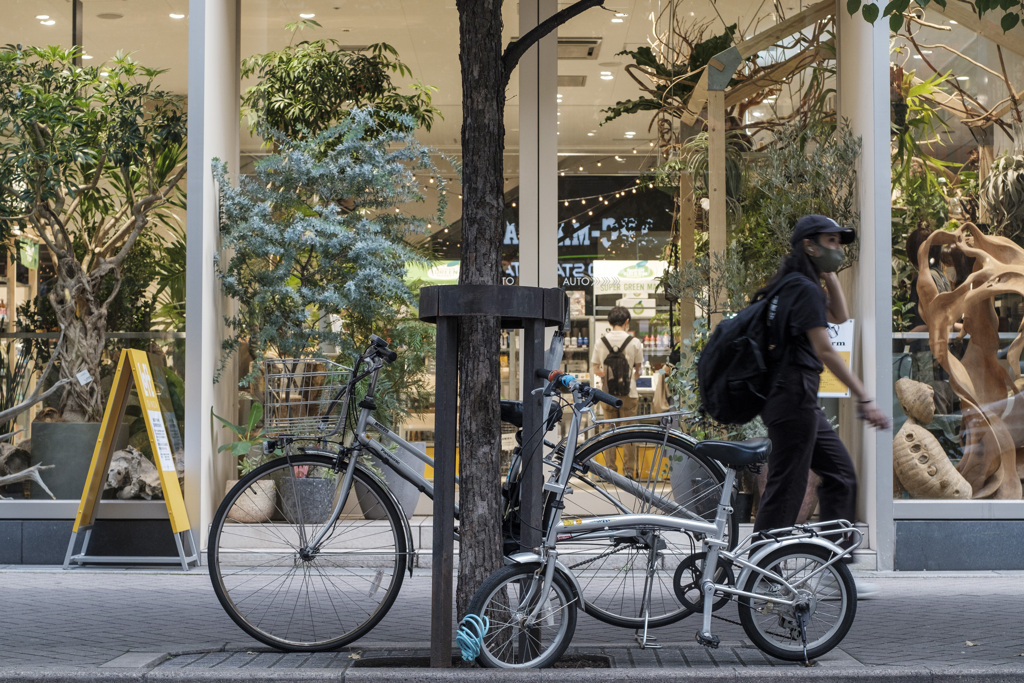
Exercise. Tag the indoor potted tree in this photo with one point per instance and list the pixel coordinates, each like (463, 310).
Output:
(89, 156)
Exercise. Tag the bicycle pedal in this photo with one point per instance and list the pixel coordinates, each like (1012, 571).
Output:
(708, 640)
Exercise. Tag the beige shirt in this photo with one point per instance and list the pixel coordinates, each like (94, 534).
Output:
(634, 353)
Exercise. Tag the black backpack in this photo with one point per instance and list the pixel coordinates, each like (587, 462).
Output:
(618, 373)
(737, 368)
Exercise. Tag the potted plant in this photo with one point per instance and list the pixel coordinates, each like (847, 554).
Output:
(248, 449)
(89, 157)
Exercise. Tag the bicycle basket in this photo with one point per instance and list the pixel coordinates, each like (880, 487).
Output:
(303, 396)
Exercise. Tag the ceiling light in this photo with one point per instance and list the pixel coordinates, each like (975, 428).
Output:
(42, 16)
(918, 57)
(86, 56)
(48, 22)
(963, 78)
(590, 135)
(606, 76)
(173, 15)
(926, 52)
(952, 22)
(307, 15)
(621, 14)
(630, 133)
(616, 20)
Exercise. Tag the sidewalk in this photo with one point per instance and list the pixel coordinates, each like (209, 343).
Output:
(108, 624)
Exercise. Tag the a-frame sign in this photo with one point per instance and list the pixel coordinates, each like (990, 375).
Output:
(135, 370)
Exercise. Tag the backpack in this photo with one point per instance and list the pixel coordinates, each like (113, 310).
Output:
(737, 368)
(618, 373)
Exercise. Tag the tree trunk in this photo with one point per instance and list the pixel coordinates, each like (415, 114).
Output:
(84, 321)
(483, 135)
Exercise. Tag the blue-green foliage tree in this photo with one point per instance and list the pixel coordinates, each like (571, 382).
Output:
(317, 237)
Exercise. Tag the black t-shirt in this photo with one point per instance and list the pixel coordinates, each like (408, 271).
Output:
(801, 308)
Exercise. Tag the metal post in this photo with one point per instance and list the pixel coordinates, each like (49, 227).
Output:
(445, 418)
(533, 435)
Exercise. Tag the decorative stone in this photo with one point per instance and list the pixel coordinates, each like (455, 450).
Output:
(923, 467)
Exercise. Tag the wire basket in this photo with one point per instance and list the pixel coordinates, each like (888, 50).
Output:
(303, 395)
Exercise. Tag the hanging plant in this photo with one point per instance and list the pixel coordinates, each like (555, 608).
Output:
(1003, 190)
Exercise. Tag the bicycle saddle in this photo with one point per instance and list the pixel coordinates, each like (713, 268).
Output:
(512, 412)
(736, 453)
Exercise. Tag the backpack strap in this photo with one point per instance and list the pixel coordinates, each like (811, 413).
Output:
(611, 349)
(629, 340)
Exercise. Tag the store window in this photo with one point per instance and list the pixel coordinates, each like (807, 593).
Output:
(957, 237)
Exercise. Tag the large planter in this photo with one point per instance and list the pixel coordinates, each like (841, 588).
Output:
(405, 492)
(68, 446)
(314, 494)
(257, 505)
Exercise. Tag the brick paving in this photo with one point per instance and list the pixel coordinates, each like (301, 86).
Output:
(105, 623)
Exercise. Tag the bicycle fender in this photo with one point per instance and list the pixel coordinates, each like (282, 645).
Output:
(534, 558)
(767, 548)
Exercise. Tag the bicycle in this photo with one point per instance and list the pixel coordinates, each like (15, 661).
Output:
(320, 564)
(796, 597)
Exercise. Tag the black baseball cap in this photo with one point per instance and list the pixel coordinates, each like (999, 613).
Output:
(812, 225)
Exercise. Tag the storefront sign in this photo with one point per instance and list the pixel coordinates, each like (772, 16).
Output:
(631, 279)
(841, 336)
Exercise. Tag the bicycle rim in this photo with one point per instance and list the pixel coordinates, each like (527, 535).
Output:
(514, 639)
(616, 571)
(830, 592)
(291, 596)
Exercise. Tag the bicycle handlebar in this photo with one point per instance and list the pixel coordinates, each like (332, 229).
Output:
(557, 377)
(380, 346)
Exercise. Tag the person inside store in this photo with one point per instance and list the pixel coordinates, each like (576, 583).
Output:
(802, 438)
(617, 359)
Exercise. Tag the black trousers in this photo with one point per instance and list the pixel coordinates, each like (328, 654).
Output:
(803, 440)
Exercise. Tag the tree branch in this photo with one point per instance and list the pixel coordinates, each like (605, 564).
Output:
(517, 48)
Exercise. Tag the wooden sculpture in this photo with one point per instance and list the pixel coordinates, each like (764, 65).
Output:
(992, 427)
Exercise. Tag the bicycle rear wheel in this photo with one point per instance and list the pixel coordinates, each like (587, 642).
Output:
(514, 639)
(615, 571)
(829, 592)
(279, 588)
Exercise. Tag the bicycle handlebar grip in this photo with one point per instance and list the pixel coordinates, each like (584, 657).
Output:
(388, 355)
(543, 373)
(607, 398)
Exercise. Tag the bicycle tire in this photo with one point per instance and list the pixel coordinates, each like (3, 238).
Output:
(832, 595)
(290, 598)
(512, 643)
(613, 572)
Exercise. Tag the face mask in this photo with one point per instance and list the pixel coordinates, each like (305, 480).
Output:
(827, 260)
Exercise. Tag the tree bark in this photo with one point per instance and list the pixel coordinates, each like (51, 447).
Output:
(485, 74)
(483, 135)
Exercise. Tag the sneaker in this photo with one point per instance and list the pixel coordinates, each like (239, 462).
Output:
(865, 589)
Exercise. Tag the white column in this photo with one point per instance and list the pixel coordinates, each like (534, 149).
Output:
(863, 58)
(538, 151)
(213, 126)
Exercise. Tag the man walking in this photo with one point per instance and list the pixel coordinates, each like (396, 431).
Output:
(617, 360)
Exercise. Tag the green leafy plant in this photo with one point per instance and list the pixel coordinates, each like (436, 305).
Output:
(249, 438)
(305, 88)
(88, 157)
(1002, 191)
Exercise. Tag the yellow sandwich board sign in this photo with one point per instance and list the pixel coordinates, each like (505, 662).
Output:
(135, 371)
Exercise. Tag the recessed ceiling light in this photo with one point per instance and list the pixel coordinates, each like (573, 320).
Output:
(590, 135)
(963, 78)
(606, 76)
(952, 22)
(621, 14)
(918, 57)
(42, 16)
(173, 15)
(616, 20)
(307, 15)
(48, 22)
(86, 56)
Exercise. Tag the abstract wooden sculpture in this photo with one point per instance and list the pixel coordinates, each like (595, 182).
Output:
(992, 427)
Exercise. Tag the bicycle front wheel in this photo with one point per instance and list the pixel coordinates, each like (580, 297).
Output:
(283, 587)
(529, 628)
(828, 592)
(626, 579)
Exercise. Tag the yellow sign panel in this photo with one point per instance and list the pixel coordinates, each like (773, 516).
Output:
(135, 370)
(830, 384)
(841, 336)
